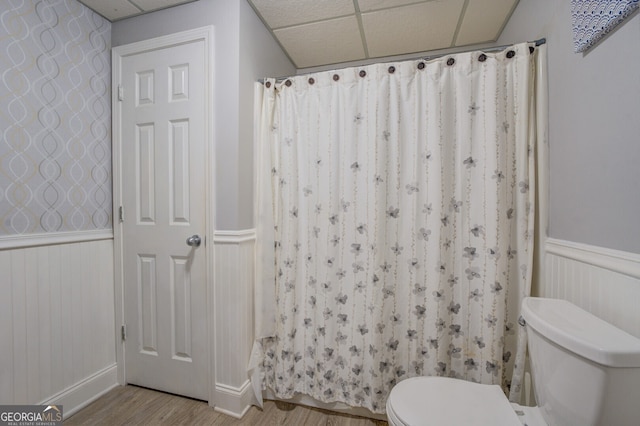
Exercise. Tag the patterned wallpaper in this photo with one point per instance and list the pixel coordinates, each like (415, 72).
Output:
(55, 118)
(594, 19)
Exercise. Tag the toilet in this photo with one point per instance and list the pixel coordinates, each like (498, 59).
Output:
(585, 372)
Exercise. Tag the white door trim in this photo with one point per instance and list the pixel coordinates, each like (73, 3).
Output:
(204, 34)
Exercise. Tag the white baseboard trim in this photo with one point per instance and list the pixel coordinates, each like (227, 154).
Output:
(613, 260)
(83, 393)
(35, 240)
(232, 401)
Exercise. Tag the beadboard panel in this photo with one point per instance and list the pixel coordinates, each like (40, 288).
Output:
(602, 281)
(234, 272)
(56, 322)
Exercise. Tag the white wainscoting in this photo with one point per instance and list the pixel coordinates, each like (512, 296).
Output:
(602, 281)
(57, 323)
(233, 294)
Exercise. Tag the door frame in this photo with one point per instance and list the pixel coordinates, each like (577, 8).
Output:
(204, 34)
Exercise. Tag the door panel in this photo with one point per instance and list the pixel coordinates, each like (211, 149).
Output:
(163, 172)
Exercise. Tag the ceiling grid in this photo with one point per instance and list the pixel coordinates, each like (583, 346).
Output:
(326, 32)
(315, 33)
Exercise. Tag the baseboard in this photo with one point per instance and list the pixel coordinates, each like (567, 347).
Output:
(232, 401)
(85, 392)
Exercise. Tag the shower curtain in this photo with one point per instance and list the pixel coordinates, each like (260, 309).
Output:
(395, 214)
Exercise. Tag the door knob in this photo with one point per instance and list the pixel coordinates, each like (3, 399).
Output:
(194, 241)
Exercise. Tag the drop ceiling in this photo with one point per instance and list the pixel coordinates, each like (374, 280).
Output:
(321, 32)
(324, 32)
(114, 10)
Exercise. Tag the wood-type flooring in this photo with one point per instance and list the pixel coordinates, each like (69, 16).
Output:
(132, 405)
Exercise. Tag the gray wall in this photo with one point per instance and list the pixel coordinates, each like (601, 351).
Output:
(594, 127)
(244, 51)
(594, 100)
(260, 57)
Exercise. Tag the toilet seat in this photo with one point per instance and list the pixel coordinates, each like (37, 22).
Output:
(445, 401)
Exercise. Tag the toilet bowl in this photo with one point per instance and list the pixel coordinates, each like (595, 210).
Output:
(585, 371)
(446, 401)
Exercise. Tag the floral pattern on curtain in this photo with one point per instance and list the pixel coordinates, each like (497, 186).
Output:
(402, 200)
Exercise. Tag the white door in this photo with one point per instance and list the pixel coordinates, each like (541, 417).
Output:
(163, 170)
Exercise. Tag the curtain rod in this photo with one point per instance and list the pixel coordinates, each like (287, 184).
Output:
(538, 42)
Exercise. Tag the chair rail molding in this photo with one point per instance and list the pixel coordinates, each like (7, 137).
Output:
(234, 237)
(47, 239)
(613, 260)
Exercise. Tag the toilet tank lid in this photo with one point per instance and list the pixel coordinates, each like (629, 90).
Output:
(581, 332)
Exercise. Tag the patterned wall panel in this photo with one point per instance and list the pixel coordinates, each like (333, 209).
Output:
(55, 118)
(592, 20)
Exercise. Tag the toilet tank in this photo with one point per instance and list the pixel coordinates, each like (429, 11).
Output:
(585, 370)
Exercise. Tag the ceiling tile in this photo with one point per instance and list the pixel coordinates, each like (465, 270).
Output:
(321, 43)
(415, 28)
(483, 21)
(278, 14)
(367, 5)
(148, 5)
(112, 9)
(326, 32)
